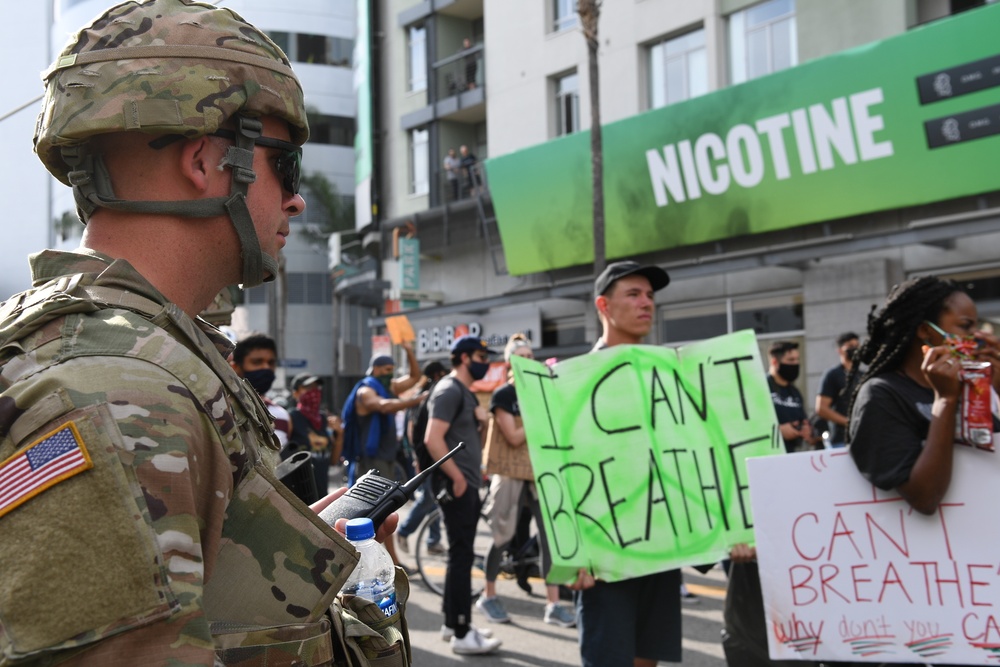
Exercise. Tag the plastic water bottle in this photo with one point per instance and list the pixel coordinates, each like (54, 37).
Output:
(374, 577)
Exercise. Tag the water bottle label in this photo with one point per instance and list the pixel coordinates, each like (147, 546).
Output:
(388, 604)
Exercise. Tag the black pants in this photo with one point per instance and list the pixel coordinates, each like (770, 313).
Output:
(460, 518)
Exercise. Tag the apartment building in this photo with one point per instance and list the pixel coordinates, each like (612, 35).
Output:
(786, 161)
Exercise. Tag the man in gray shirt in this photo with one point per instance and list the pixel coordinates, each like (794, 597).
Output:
(456, 416)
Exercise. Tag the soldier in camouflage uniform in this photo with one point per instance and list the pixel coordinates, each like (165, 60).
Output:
(139, 521)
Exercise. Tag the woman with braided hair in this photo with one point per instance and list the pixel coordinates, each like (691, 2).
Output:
(903, 411)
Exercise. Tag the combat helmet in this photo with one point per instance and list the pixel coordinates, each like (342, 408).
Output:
(174, 69)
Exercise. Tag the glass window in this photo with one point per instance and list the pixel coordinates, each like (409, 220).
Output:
(678, 69)
(257, 295)
(418, 57)
(331, 130)
(769, 314)
(693, 322)
(564, 332)
(308, 288)
(762, 40)
(564, 15)
(567, 104)
(315, 49)
(419, 162)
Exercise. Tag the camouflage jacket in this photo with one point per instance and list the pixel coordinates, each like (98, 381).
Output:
(142, 525)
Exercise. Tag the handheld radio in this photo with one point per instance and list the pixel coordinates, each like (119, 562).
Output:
(376, 497)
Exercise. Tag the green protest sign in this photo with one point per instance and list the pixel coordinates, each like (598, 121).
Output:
(639, 453)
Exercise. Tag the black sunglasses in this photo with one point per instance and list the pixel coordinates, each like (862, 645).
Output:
(288, 164)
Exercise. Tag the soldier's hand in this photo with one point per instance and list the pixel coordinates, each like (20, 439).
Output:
(387, 528)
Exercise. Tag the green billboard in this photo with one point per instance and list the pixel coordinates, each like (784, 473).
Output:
(901, 122)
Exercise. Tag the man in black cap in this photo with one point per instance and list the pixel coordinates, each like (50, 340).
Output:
(369, 425)
(623, 296)
(635, 621)
(456, 416)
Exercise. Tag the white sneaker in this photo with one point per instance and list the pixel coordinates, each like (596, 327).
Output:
(474, 643)
(556, 614)
(493, 609)
(447, 633)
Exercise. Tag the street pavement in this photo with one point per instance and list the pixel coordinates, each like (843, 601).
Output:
(527, 640)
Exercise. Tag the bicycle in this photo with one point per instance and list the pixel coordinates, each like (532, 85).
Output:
(521, 562)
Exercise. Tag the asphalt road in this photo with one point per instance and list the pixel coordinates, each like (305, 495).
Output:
(527, 640)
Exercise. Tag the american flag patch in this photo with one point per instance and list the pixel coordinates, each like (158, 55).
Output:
(49, 460)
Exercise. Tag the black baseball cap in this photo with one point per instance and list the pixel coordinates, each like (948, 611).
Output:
(657, 277)
(470, 343)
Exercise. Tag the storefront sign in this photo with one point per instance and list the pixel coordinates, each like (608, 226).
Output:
(905, 121)
(639, 453)
(435, 336)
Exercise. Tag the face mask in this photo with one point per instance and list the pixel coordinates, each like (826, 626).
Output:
(788, 372)
(385, 381)
(261, 380)
(850, 353)
(477, 369)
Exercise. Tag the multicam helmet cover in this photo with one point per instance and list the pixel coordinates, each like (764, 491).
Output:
(164, 67)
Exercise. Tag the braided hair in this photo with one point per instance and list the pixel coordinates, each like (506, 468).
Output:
(892, 328)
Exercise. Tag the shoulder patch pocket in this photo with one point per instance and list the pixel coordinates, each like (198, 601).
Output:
(80, 560)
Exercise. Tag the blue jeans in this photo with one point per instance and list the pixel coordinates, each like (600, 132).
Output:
(425, 505)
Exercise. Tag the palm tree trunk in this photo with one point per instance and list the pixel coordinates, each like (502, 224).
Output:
(590, 11)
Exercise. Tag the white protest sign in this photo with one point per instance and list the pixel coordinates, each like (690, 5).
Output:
(853, 573)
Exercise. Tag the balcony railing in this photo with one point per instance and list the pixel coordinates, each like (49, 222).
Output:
(466, 70)
(468, 183)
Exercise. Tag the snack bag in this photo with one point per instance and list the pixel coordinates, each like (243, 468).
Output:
(974, 423)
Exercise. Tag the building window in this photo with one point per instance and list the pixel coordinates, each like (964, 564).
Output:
(309, 289)
(331, 130)
(678, 69)
(419, 162)
(762, 40)
(567, 104)
(768, 316)
(257, 295)
(417, 39)
(564, 15)
(315, 49)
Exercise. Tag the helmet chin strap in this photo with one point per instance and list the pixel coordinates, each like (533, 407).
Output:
(92, 190)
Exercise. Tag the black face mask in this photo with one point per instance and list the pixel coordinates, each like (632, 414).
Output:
(788, 372)
(478, 369)
(261, 380)
(850, 353)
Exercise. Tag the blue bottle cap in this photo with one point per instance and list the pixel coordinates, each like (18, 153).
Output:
(360, 529)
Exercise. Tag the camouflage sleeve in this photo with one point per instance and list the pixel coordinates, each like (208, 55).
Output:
(111, 560)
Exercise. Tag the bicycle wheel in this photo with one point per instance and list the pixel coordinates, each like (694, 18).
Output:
(432, 562)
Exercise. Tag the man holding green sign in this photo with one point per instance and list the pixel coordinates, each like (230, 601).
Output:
(639, 457)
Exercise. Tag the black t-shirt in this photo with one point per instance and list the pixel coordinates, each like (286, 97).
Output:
(788, 407)
(505, 398)
(832, 386)
(888, 428)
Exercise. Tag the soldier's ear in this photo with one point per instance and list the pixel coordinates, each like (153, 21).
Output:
(198, 163)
